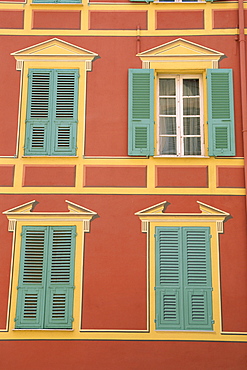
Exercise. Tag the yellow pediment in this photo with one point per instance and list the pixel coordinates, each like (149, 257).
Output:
(181, 48)
(54, 48)
(160, 210)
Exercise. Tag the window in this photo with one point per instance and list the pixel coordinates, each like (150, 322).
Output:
(46, 278)
(180, 125)
(180, 116)
(183, 279)
(51, 123)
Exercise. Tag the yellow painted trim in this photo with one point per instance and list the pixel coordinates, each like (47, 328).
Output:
(150, 163)
(151, 16)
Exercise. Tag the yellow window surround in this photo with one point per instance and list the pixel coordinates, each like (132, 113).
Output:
(209, 216)
(53, 54)
(23, 215)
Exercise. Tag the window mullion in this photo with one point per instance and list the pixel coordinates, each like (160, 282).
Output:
(179, 114)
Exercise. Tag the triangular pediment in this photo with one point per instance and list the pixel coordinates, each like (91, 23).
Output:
(54, 47)
(160, 208)
(206, 209)
(23, 208)
(28, 207)
(181, 48)
(156, 209)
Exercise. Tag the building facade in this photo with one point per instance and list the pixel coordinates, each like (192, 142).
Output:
(122, 174)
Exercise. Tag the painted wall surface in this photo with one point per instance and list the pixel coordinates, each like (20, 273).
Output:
(113, 198)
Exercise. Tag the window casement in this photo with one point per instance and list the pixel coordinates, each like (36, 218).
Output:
(183, 279)
(180, 121)
(180, 107)
(46, 278)
(52, 110)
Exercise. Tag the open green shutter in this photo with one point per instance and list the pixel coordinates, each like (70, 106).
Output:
(65, 112)
(38, 112)
(141, 112)
(31, 288)
(197, 279)
(221, 132)
(60, 279)
(168, 279)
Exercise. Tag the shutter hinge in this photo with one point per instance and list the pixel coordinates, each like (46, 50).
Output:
(212, 289)
(155, 321)
(207, 122)
(15, 319)
(212, 321)
(154, 287)
(155, 235)
(210, 236)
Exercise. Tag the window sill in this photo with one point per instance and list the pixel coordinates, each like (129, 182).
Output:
(50, 156)
(43, 329)
(185, 331)
(184, 156)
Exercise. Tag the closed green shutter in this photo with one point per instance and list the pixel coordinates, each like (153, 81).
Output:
(141, 112)
(197, 279)
(183, 279)
(39, 111)
(32, 278)
(46, 278)
(65, 115)
(52, 112)
(221, 132)
(168, 278)
(60, 279)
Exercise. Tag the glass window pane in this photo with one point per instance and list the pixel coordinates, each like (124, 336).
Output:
(168, 106)
(191, 87)
(168, 126)
(192, 126)
(191, 106)
(167, 87)
(192, 146)
(168, 145)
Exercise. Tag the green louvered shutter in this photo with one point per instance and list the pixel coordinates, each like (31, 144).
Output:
(141, 112)
(221, 132)
(168, 279)
(197, 278)
(60, 279)
(51, 125)
(32, 275)
(38, 112)
(65, 112)
(183, 279)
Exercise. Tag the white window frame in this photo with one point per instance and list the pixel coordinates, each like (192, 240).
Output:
(179, 108)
